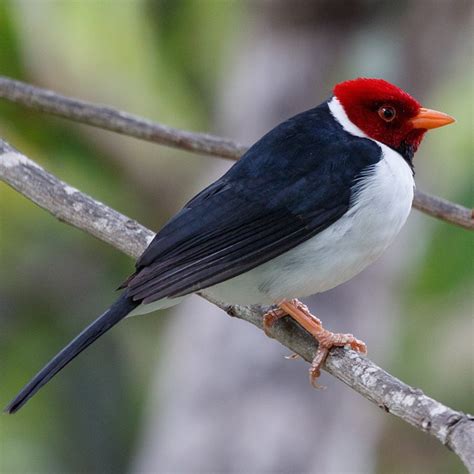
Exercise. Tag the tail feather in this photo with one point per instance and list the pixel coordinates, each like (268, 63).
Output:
(102, 324)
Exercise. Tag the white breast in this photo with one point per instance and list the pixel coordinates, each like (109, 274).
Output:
(380, 208)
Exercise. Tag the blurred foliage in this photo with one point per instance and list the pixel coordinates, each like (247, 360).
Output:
(162, 59)
(57, 276)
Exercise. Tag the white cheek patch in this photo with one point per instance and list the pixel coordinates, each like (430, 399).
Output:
(338, 112)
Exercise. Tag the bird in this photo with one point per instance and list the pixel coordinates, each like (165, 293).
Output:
(310, 205)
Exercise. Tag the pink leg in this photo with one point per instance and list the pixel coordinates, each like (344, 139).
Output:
(327, 339)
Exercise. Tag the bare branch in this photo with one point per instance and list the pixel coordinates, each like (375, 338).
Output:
(444, 210)
(453, 428)
(115, 120)
(70, 205)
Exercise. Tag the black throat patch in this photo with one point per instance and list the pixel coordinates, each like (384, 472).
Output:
(408, 152)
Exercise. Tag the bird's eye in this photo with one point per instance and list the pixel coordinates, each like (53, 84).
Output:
(387, 113)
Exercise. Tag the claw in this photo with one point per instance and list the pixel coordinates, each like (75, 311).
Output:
(326, 339)
(270, 318)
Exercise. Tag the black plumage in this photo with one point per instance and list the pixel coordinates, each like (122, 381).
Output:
(91, 333)
(295, 182)
(292, 184)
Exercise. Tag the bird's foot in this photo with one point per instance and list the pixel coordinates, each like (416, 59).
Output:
(326, 339)
(272, 316)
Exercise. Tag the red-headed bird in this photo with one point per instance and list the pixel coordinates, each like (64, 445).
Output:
(306, 208)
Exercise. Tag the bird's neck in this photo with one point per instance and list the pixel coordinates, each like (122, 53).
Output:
(406, 149)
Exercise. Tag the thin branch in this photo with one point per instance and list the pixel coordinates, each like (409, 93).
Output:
(453, 428)
(118, 121)
(444, 210)
(115, 120)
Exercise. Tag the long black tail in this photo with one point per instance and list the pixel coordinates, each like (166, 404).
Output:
(101, 325)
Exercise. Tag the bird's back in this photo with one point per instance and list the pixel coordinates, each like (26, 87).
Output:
(292, 184)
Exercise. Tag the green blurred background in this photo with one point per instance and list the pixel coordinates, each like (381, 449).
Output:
(168, 60)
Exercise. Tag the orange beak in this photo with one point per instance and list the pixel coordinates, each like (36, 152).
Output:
(428, 119)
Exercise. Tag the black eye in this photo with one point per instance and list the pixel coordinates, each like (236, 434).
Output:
(387, 113)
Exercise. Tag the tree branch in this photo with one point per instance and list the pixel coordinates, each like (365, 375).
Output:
(444, 210)
(115, 120)
(118, 121)
(453, 428)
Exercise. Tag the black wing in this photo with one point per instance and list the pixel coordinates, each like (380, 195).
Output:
(291, 185)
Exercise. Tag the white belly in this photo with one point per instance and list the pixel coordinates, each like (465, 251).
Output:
(381, 207)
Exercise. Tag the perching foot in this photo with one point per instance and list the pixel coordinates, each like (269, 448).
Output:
(326, 339)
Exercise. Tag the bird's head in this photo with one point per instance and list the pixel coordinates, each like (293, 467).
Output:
(388, 114)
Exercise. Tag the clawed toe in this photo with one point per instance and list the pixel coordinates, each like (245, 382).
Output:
(316, 365)
(330, 339)
(269, 319)
(326, 339)
(358, 345)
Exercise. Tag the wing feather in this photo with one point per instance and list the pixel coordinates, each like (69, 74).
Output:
(277, 196)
